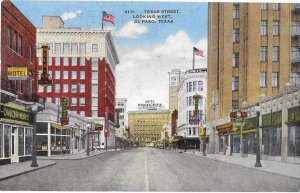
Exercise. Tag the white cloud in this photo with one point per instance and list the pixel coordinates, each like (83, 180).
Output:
(143, 72)
(70, 15)
(131, 30)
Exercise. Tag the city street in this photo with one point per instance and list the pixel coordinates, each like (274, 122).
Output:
(147, 169)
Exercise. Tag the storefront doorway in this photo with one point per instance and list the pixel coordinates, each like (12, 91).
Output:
(14, 145)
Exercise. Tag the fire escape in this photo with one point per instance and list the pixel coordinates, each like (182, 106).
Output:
(295, 43)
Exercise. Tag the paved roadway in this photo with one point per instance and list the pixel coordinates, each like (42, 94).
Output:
(149, 170)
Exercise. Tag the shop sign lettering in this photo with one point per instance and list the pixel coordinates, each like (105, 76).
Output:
(17, 73)
(64, 117)
(14, 114)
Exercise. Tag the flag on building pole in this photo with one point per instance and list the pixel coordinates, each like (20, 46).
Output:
(107, 18)
(198, 53)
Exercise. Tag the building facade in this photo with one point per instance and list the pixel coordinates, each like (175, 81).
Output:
(260, 41)
(121, 105)
(82, 66)
(191, 83)
(17, 50)
(150, 105)
(145, 126)
(174, 78)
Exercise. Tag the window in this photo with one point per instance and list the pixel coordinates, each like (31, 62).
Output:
(275, 79)
(20, 45)
(82, 61)
(65, 88)
(94, 75)
(200, 86)
(82, 74)
(50, 61)
(94, 113)
(94, 47)
(236, 35)
(50, 73)
(276, 28)
(294, 141)
(264, 6)
(295, 28)
(82, 113)
(190, 86)
(57, 88)
(94, 61)
(275, 54)
(82, 88)
(66, 48)
(194, 86)
(194, 131)
(295, 53)
(49, 100)
(235, 59)
(40, 61)
(74, 74)
(66, 61)
(190, 101)
(263, 53)
(73, 101)
(235, 104)
(15, 41)
(30, 53)
(74, 88)
(74, 61)
(94, 101)
(57, 100)
(271, 141)
(262, 79)
(264, 28)
(187, 101)
(82, 48)
(49, 88)
(276, 6)
(74, 48)
(50, 47)
(66, 74)
(82, 101)
(57, 48)
(236, 11)
(57, 61)
(95, 88)
(235, 83)
(187, 87)
(9, 32)
(57, 75)
(41, 88)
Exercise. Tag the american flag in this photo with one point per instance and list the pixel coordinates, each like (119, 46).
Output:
(108, 17)
(198, 52)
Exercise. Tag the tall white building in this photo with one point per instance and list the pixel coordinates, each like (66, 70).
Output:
(192, 82)
(174, 78)
(121, 104)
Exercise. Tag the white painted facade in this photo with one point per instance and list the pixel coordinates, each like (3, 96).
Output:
(192, 82)
(121, 104)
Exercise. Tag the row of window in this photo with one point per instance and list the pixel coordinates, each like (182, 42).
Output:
(191, 102)
(57, 74)
(74, 100)
(66, 61)
(74, 88)
(69, 48)
(15, 42)
(192, 86)
(264, 7)
(264, 54)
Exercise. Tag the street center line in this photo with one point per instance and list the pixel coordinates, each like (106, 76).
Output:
(146, 174)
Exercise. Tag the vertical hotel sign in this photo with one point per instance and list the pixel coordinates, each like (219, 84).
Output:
(45, 78)
(64, 117)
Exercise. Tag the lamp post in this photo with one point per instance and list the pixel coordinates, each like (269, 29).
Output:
(106, 126)
(115, 141)
(88, 140)
(257, 163)
(184, 141)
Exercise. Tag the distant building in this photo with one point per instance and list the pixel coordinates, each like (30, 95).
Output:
(150, 105)
(145, 126)
(174, 78)
(121, 105)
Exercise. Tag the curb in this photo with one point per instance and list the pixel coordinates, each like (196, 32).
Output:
(25, 172)
(258, 169)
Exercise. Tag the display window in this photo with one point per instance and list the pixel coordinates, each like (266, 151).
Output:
(294, 141)
(250, 143)
(28, 141)
(271, 141)
(7, 132)
(1, 141)
(236, 143)
(21, 142)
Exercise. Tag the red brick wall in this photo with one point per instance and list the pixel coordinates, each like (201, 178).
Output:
(11, 16)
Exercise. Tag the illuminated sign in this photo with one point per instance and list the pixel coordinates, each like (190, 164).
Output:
(45, 77)
(64, 114)
(15, 114)
(17, 73)
(194, 119)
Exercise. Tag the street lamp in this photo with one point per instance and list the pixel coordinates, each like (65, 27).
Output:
(184, 141)
(106, 126)
(34, 109)
(115, 141)
(257, 163)
(88, 140)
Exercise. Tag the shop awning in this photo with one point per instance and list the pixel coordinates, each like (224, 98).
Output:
(57, 126)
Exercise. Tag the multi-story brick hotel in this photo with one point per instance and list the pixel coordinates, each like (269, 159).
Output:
(82, 66)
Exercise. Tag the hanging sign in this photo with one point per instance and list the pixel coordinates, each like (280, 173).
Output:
(45, 77)
(64, 117)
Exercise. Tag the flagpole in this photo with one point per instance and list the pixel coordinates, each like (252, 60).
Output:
(193, 58)
(102, 19)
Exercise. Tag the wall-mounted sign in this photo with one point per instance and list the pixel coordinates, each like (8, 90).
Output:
(45, 77)
(194, 120)
(238, 117)
(15, 114)
(227, 127)
(17, 73)
(98, 127)
(64, 114)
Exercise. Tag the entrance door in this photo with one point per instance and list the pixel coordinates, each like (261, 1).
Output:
(14, 145)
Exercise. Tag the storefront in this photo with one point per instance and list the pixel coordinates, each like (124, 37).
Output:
(294, 135)
(249, 136)
(15, 134)
(271, 135)
(228, 139)
(53, 139)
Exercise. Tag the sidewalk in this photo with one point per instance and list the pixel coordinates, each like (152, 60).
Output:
(286, 169)
(76, 156)
(11, 170)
